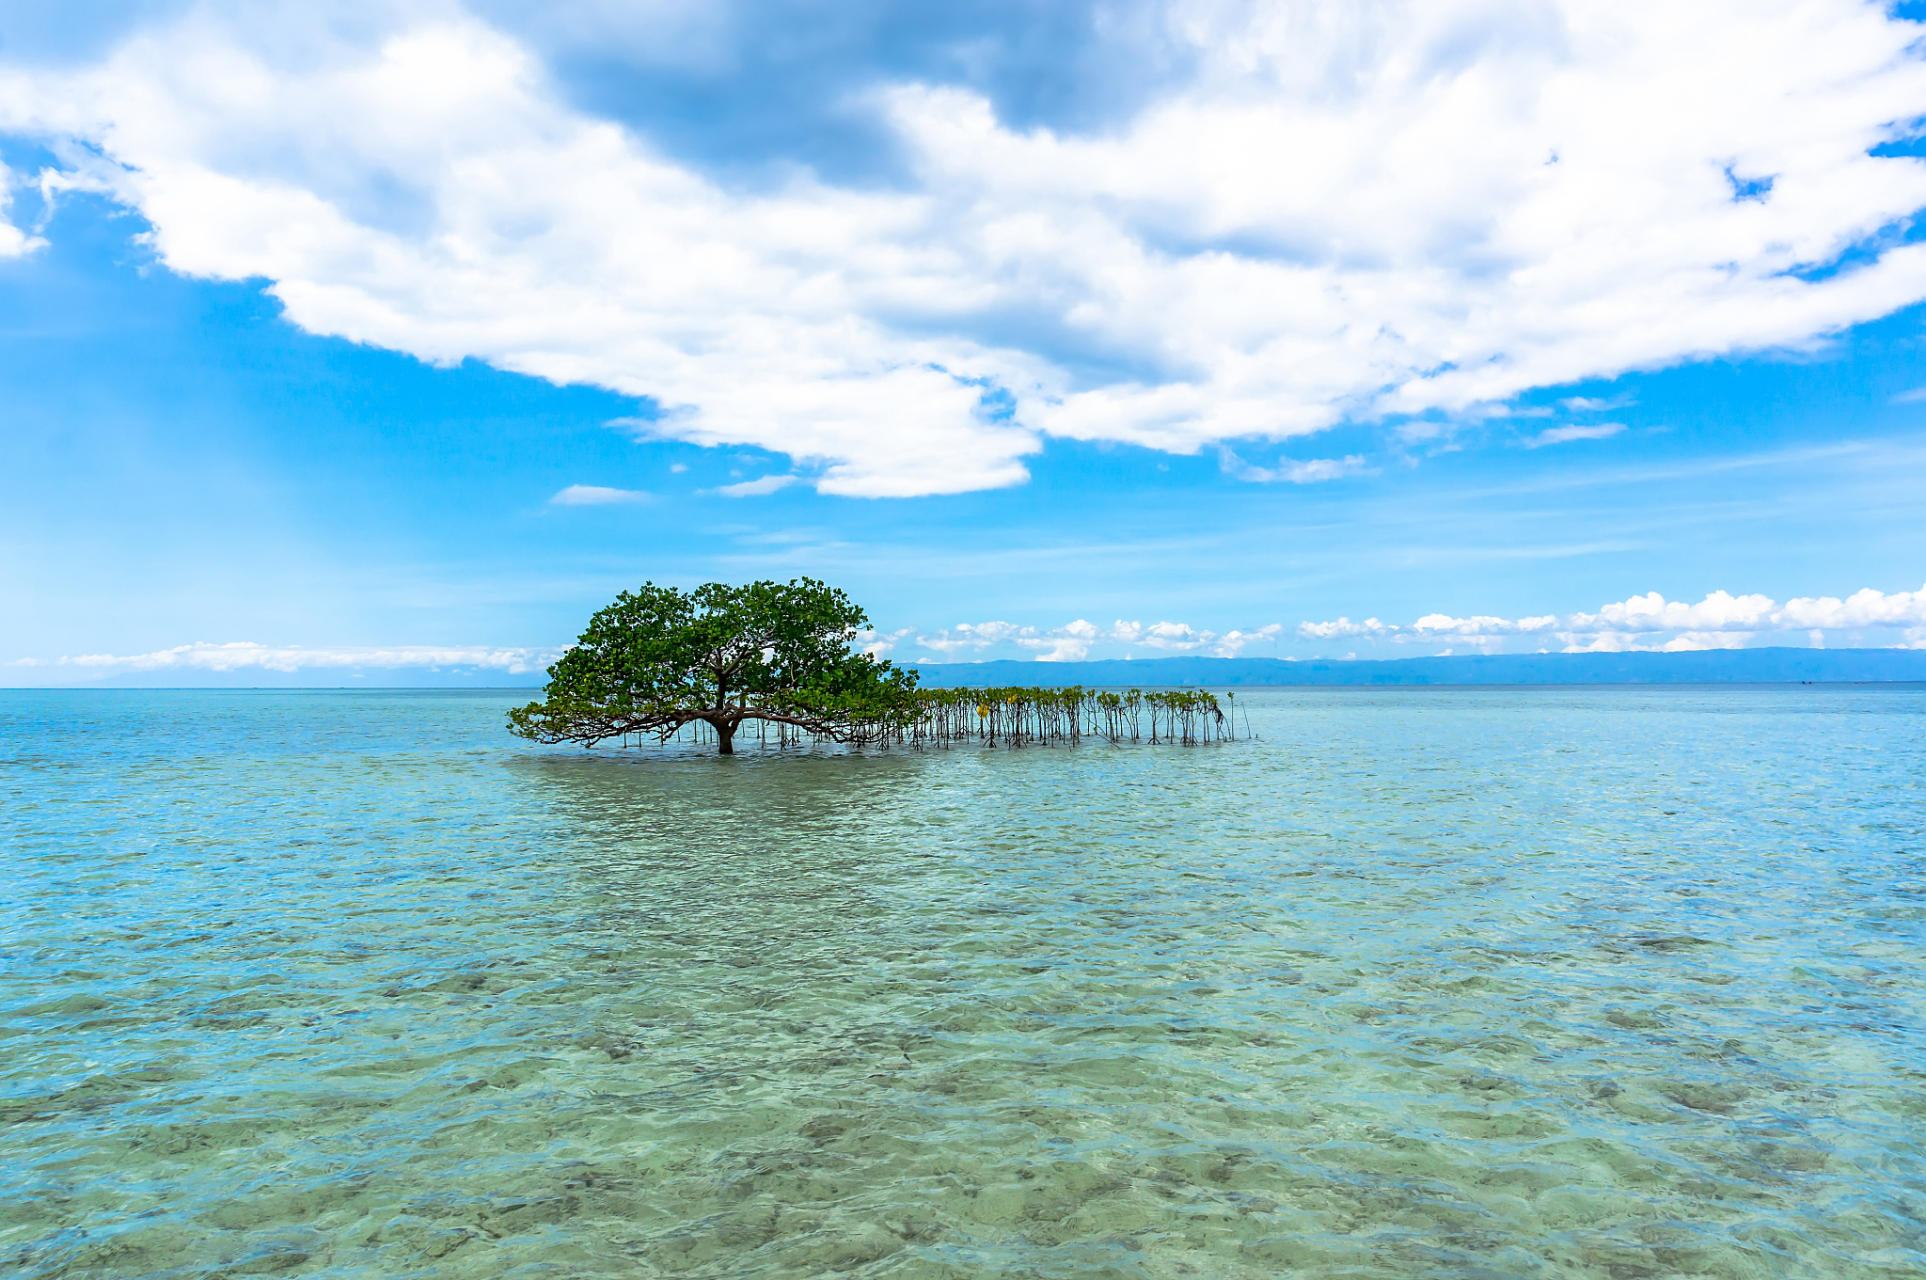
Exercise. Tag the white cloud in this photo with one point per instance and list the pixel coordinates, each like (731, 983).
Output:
(1485, 632)
(1343, 629)
(1864, 608)
(1234, 642)
(1561, 435)
(1353, 207)
(287, 658)
(1058, 648)
(1175, 637)
(878, 644)
(1720, 611)
(1650, 621)
(755, 488)
(1066, 644)
(13, 241)
(1433, 625)
(589, 495)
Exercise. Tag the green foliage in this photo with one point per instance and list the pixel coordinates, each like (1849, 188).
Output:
(658, 658)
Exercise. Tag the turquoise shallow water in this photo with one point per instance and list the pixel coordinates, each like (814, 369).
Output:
(1485, 983)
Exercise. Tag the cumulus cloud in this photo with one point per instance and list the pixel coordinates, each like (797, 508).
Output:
(1719, 611)
(1443, 624)
(878, 644)
(1233, 642)
(590, 495)
(1481, 631)
(1342, 209)
(1650, 621)
(1065, 644)
(1562, 435)
(1343, 629)
(239, 655)
(1174, 637)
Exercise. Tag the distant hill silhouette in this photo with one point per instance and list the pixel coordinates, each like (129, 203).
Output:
(1717, 666)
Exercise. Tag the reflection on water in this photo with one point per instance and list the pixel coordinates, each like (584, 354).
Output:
(1586, 983)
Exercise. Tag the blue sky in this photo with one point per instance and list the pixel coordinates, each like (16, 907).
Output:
(356, 338)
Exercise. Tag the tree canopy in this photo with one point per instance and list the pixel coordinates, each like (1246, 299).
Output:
(658, 659)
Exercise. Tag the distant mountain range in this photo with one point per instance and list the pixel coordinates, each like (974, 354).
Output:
(1715, 666)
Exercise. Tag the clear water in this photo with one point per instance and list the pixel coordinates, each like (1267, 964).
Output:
(1483, 983)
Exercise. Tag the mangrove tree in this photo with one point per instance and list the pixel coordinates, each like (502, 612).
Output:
(658, 660)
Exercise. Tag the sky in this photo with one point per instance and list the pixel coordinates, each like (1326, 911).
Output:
(350, 339)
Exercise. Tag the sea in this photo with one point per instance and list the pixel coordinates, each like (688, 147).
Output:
(1601, 982)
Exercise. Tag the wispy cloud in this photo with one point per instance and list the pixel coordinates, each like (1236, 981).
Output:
(1292, 471)
(755, 488)
(1564, 435)
(589, 495)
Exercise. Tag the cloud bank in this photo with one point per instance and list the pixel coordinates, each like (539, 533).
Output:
(1647, 622)
(1641, 623)
(1322, 211)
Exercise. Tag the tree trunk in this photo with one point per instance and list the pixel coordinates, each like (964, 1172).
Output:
(725, 736)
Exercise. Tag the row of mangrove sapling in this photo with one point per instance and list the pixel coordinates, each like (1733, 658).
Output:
(1016, 717)
(1009, 717)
